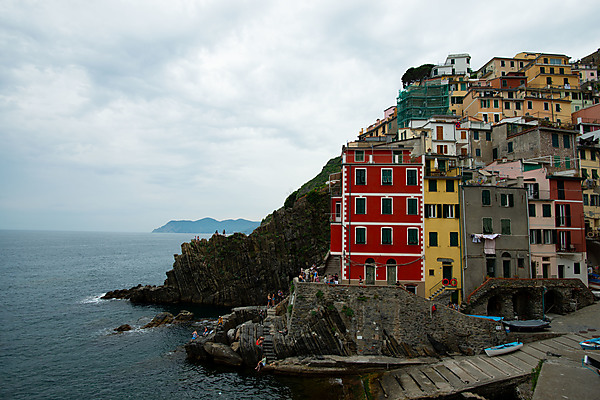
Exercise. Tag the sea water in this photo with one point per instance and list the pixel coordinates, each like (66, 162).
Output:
(56, 334)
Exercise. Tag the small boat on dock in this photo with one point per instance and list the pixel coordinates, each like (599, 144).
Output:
(486, 317)
(590, 344)
(527, 325)
(503, 349)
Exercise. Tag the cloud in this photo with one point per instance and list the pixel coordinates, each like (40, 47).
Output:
(123, 115)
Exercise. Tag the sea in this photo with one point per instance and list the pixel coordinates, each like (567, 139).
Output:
(57, 338)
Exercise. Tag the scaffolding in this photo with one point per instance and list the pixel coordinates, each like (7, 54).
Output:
(421, 102)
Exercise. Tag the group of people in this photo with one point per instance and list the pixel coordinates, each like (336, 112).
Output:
(309, 274)
(274, 298)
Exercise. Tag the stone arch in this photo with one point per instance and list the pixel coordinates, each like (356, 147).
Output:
(494, 306)
(554, 302)
(523, 304)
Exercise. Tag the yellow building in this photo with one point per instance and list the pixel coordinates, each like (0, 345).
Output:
(442, 229)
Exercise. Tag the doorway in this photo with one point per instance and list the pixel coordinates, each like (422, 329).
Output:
(561, 271)
(370, 271)
(391, 272)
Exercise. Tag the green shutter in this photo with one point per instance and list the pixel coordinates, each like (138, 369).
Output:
(386, 235)
(487, 225)
(412, 236)
(386, 205)
(412, 206)
(485, 197)
(453, 238)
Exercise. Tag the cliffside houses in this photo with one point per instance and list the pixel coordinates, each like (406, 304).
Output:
(472, 175)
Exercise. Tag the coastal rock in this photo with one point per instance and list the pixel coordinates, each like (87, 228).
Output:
(240, 270)
(159, 320)
(183, 316)
(195, 350)
(222, 354)
(123, 328)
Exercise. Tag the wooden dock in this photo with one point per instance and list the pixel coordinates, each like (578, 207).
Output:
(463, 374)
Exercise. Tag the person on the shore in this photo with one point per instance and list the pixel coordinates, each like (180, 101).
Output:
(194, 335)
(220, 321)
(259, 341)
(261, 363)
(205, 333)
(269, 300)
(360, 280)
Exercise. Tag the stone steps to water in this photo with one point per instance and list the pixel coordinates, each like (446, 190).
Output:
(460, 374)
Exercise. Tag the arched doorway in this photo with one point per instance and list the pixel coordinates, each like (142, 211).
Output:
(494, 306)
(370, 271)
(506, 265)
(522, 304)
(391, 271)
(553, 302)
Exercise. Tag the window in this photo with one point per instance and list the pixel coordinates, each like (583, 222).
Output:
(577, 268)
(386, 176)
(449, 186)
(486, 199)
(386, 205)
(502, 63)
(520, 263)
(582, 154)
(433, 185)
(548, 80)
(361, 176)
(439, 130)
(412, 206)
(478, 152)
(430, 211)
(554, 140)
(448, 210)
(454, 239)
(359, 155)
(593, 155)
(546, 106)
(496, 117)
(563, 215)
(552, 70)
(542, 70)
(475, 135)
(507, 200)
(397, 157)
(360, 205)
(557, 107)
(496, 103)
(495, 153)
(560, 188)
(386, 235)
(504, 83)
(546, 210)
(532, 210)
(413, 236)
(505, 224)
(561, 71)
(529, 105)
(547, 233)
(411, 177)
(510, 147)
(490, 263)
(507, 105)
(485, 118)
(594, 174)
(585, 199)
(433, 239)
(488, 226)
(584, 173)
(485, 103)
(517, 105)
(360, 236)
(594, 200)
(512, 64)
(431, 272)
(463, 135)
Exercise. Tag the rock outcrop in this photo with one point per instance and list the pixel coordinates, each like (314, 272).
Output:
(241, 270)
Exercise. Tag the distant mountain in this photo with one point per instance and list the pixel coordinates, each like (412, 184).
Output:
(208, 225)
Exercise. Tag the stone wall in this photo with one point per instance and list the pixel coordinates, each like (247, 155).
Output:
(528, 298)
(353, 320)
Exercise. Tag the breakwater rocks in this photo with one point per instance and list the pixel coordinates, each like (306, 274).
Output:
(241, 270)
(349, 321)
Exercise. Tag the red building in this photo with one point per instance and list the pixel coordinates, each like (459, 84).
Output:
(570, 226)
(377, 216)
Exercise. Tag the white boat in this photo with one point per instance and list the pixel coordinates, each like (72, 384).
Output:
(590, 344)
(503, 349)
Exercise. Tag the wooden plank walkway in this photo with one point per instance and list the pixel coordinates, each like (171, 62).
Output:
(459, 374)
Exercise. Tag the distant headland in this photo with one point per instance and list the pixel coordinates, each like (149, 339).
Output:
(208, 225)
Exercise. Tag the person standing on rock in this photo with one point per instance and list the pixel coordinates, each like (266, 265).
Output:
(269, 300)
(194, 335)
(261, 363)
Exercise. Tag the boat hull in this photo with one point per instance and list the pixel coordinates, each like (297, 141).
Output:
(503, 349)
(590, 344)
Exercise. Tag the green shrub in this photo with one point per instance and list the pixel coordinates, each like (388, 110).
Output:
(348, 311)
(319, 295)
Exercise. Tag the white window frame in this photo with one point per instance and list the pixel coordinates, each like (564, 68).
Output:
(356, 205)
(391, 176)
(391, 235)
(416, 176)
(408, 200)
(356, 235)
(407, 236)
(391, 199)
(356, 176)
(356, 155)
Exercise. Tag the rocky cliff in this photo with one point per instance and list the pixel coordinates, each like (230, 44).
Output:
(240, 270)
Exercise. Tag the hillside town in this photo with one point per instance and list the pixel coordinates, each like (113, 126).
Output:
(474, 174)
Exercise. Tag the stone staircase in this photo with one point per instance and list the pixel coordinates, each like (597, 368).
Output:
(268, 332)
(437, 293)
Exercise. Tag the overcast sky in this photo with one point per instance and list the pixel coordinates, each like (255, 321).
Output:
(123, 115)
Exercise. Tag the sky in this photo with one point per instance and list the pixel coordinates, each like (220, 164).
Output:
(123, 115)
